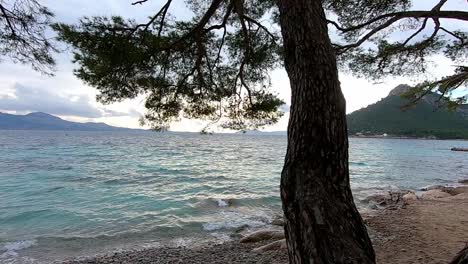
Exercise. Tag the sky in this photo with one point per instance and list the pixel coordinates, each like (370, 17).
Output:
(22, 90)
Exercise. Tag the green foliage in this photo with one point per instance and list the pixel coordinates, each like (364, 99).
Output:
(443, 88)
(216, 65)
(355, 12)
(214, 69)
(423, 119)
(369, 47)
(23, 24)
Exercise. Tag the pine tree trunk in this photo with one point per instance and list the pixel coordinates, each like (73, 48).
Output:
(322, 223)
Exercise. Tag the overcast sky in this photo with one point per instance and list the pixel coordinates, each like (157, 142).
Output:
(23, 90)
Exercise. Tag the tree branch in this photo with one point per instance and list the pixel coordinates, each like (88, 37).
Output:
(385, 25)
(439, 5)
(239, 8)
(161, 11)
(416, 33)
(449, 83)
(462, 40)
(139, 2)
(5, 15)
(203, 21)
(161, 23)
(452, 14)
(260, 26)
(225, 19)
(367, 36)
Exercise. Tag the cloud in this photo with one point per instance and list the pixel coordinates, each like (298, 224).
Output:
(27, 99)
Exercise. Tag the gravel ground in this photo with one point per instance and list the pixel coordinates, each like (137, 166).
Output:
(231, 252)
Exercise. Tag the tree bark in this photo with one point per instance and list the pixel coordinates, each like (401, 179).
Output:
(322, 224)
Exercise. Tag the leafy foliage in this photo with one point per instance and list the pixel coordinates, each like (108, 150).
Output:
(213, 68)
(369, 48)
(23, 24)
(216, 65)
(442, 87)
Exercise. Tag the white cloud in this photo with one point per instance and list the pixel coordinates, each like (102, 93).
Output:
(28, 99)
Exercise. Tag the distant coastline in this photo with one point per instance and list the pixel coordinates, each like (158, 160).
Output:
(44, 121)
(404, 137)
(356, 135)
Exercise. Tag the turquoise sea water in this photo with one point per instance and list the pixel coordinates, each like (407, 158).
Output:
(81, 193)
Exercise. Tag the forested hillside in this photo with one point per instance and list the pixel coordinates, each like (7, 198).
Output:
(424, 119)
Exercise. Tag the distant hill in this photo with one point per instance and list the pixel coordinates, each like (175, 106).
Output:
(43, 121)
(423, 120)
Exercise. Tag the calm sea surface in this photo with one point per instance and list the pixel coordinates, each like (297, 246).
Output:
(82, 193)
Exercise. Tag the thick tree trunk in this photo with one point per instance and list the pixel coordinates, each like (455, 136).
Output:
(322, 223)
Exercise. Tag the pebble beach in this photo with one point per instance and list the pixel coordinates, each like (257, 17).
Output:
(430, 227)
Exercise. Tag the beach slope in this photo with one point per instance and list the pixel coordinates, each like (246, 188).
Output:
(430, 229)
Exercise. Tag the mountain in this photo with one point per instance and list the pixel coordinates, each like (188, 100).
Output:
(424, 119)
(43, 121)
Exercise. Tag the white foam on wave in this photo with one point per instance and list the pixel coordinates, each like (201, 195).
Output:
(10, 252)
(222, 203)
(232, 220)
(12, 247)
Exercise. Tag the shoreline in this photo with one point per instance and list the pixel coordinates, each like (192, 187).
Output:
(430, 228)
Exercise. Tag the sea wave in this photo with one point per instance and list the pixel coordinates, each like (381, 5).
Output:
(9, 252)
(226, 220)
(222, 203)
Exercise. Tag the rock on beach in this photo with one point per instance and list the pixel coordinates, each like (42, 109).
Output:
(262, 235)
(464, 181)
(435, 194)
(276, 245)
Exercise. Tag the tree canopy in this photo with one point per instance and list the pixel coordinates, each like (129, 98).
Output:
(23, 26)
(216, 66)
(369, 48)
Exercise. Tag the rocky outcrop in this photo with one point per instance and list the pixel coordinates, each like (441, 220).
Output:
(399, 90)
(438, 191)
(276, 245)
(410, 197)
(455, 190)
(262, 235)
(435, 194)
(398, 199)
(432, 187)
(277, 236)
(379, 198)
(464, 181)
(391, 199)
(278, 221)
